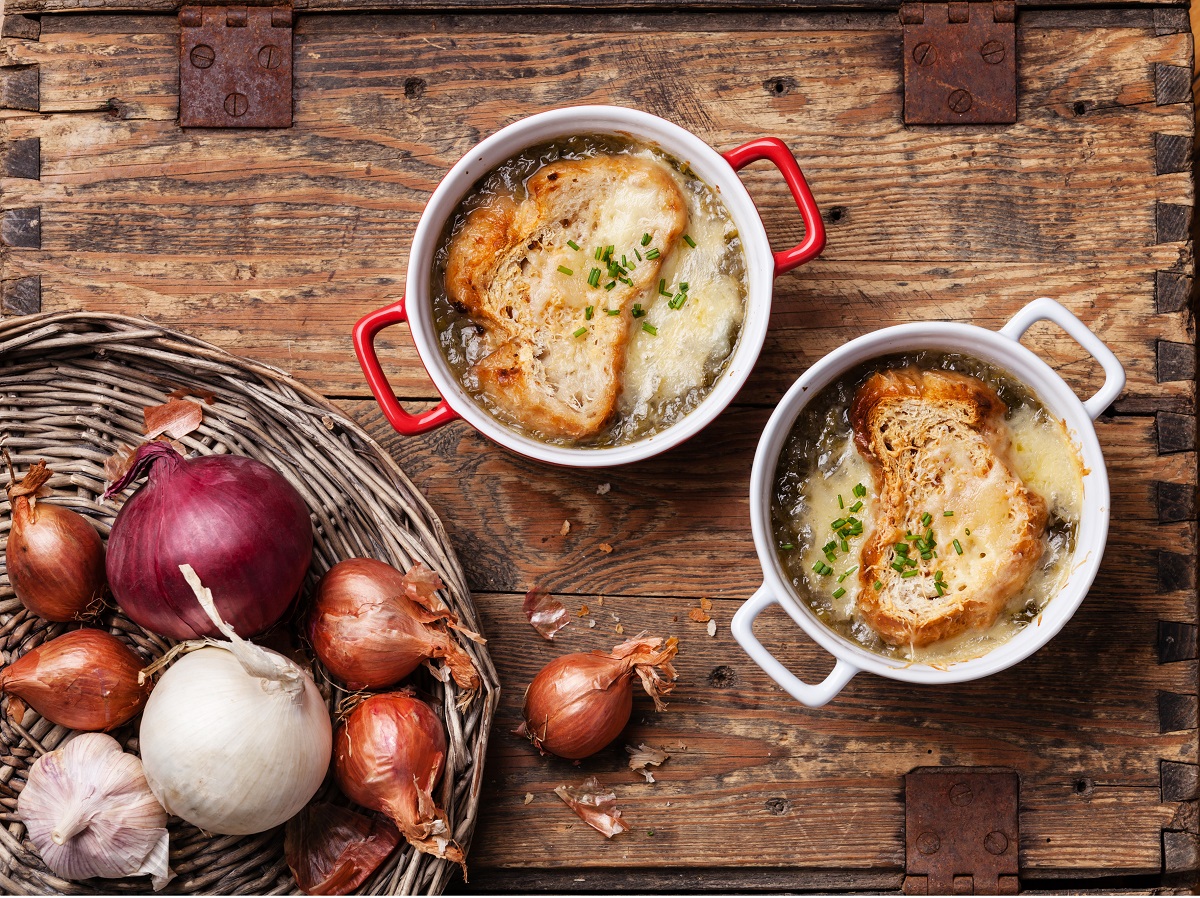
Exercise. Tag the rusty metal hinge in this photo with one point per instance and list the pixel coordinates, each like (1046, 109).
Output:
(960, 62)
(960, 831)
(235, 66)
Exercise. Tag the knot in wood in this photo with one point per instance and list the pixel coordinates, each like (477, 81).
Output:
(722, 677)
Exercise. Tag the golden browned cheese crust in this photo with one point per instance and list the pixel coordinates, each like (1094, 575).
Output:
(505, 268)
(937, 441)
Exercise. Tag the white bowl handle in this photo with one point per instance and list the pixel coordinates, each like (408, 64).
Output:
(1046, 309)
(812, 695)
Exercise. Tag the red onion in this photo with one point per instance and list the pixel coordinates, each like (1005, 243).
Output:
(242, 527)
(389, 756)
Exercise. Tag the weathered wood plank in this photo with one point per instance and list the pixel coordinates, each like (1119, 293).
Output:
(764, 778)
(323, 212)
(673, 534)
(1166, 19)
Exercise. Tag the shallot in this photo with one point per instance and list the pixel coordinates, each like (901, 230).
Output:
(84, 679)
(235, 738)
(579, 703)
(88, 812)
(389, 756)
(236, 521)
(372, 626)
(54, 557)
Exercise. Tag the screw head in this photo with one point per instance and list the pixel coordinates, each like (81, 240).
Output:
(270, 57)
(924, 54)
(236, 104)
(996, 843)
(959, 101)
(992, 52)
(960, 793)
(928, 843)
(202, 56)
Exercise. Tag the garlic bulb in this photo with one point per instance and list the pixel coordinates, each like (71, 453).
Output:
(235, 738)
(89, 812)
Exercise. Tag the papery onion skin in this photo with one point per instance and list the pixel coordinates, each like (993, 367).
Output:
(238, 522)
(54, 557)
(208, 721)
(85, 680)
(578, 704)
(369, 631)
(333, 850)
(389, 756)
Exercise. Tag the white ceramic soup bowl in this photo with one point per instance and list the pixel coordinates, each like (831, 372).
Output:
(717, 170)
(1003, 350)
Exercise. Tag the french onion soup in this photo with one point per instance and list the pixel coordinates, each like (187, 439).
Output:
(590, 291)
(926, 506)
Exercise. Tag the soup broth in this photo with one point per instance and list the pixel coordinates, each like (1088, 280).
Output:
(822, 478)
(681, 330)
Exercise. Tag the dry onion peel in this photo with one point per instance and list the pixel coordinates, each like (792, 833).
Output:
(332, 850)
(84, 679)
(54, 556)
(372, 626)
(595, 805)
(645, 756)
(546, 614)
(389, 756)
(88, 811)
(235, 739)
(177, 417)
(579, 703)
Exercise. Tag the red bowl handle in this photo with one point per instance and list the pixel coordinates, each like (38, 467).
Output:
(364, 347)
(776, 151)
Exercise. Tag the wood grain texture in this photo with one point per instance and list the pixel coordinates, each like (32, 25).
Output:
(273, 243)
(310, 227)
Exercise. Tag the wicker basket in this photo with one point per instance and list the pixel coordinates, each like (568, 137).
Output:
(72, 388)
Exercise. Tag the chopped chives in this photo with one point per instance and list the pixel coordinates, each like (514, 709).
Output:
(845, 546)
(927, 555)
(650, 328)
(580, 332)
(573, 244)
(957, 547)
(926, 519)
(662, 287)
(624, 262)
(902, 548)
(841, 504)
(599, 252)
(857, 506)
(787, 546)
(653, 253)
(638, 311)
(839, 592)
(683, 286)
(565, 270)
(938, 575)
(677, 301)
(646, 239)
(848, 573)
(910, 562)
(878, 585)
(947, 514)
(625, 280)
(609, 287)
(639, 255)
(908, 574)
(897, 566)
(940, 587)
(589, 312)
(838, 524)
(689, 241)
(860, 490)
(608, 250)
(594, 277)
(612, 311)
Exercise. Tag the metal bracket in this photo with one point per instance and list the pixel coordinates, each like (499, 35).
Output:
(960, 831)
(235, 67)
(960, 62)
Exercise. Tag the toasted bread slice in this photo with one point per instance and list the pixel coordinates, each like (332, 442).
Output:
(505, 267)
(936, 441)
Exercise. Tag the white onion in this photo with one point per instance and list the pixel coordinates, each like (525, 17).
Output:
(235, 739)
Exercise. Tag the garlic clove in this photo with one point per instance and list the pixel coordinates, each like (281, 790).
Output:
(89, 812)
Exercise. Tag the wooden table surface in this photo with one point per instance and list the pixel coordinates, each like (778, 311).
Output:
(272, 243)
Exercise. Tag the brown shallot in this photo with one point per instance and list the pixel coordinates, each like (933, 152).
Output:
(84, 679)
(579, 703)
(54, 557)
(332, 850)
(389, 756)
(372, 625)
